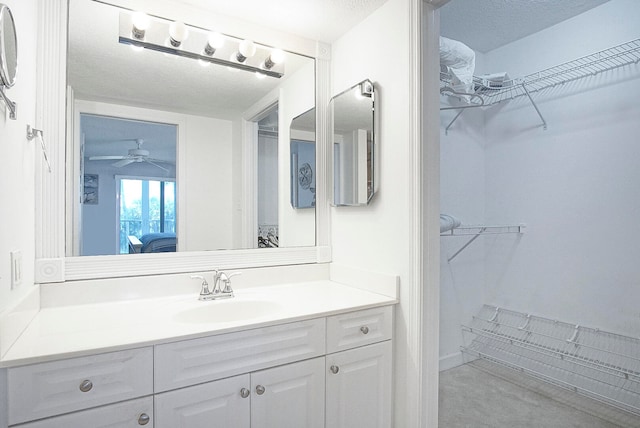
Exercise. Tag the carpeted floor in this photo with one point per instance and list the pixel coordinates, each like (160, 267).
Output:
(481, 394)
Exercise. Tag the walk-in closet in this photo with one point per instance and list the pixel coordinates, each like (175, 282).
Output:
(540, 203)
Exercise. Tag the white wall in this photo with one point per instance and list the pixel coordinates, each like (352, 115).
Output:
(17, 155)
(574, 185)
(376, 237)
(462, 181)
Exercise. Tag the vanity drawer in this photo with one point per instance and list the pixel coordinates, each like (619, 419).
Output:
(42, 390)
(359, 328)
(129, 414)
(195, 361)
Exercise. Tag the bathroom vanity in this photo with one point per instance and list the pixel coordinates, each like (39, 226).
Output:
(317, 354)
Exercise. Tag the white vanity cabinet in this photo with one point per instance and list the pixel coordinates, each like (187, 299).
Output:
(330, 371)
(288, 396)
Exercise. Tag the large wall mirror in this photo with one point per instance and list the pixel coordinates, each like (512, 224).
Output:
(354, 145)
(164, 146)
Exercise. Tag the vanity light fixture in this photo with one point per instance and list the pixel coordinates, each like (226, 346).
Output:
(142, 31)
(141, 22)
(276, 57)
(246, 49)
(214, 41)
(178, 33)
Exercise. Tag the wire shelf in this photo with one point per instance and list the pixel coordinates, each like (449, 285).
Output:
(589, 65)
(472, 230)
(599, 364)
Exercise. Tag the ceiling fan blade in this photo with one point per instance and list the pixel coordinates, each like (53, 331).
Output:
(168, 162)
(123, 162)
(92, 158)
(156, 165)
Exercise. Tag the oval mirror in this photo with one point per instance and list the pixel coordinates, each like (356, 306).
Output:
(8, 47)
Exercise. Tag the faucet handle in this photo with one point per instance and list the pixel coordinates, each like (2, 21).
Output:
(226, 279)
(205, 286)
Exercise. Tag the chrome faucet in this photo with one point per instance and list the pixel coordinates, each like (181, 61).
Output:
(221, 286)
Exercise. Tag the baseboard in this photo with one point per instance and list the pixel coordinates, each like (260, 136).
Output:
(450, 361)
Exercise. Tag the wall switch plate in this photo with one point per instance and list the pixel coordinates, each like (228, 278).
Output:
(16, 268)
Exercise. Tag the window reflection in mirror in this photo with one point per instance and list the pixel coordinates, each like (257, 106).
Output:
(126, 164)
(354, 143)
(216, 111)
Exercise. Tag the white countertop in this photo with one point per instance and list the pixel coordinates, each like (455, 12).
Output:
(70, 331)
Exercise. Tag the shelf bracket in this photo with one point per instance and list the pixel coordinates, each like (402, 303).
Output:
(535, 106)
(467, 244)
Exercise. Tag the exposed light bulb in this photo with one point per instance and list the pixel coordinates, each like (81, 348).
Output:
(204, 63)
(260, 75)
(246, 49)
(136, 48)
(276, 57)
(214, 41)
(178, 33)
(141, 22)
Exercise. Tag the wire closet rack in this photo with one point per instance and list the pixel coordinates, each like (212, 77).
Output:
(489, 92)
(601, 365)
(475, 231)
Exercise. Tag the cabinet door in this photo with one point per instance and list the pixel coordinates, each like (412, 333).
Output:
(359, 387)
(129, 414)
(290, 396)
(221, 404)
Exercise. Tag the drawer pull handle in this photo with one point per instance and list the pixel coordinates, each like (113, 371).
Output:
(143, 419)
(364, 330)
(86, 385)
(244, 393)
(260, 389)
(334, 369)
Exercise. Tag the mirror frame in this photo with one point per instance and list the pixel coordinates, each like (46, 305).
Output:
(51, 265)
(7, 79)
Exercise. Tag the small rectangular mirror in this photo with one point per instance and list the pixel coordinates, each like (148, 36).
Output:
(354, 145)
(303, 160)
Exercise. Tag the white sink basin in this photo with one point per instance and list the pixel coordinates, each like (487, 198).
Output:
(227, 311)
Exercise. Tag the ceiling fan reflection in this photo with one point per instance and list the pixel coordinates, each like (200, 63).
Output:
(136, 155)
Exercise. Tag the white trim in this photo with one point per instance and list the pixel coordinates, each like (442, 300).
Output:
(428, 159)
(324, 147)
(50, 118)
(94, 267)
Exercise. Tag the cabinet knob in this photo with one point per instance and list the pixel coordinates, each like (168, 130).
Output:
(260, 389)
(244, 393)
(364, 330)
(143, 419)
(86, 385)
(334, 369)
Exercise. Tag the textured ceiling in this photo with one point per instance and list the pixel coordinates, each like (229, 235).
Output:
(485, 25)
(324, 20)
